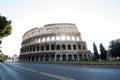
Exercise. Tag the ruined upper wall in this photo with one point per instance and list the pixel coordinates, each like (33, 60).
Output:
(51, 29)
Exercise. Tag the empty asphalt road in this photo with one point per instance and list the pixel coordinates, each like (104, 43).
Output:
(37, 71)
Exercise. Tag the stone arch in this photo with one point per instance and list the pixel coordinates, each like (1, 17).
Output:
(23, 50)
(38, 48)
(46, 57)
(64, 57)
(23, 58)
(63, 47)
(58, 47)
(53, 38)
(42, 48)
(39, 40)
(89, 57)
(69, 47)
(52, 47)
(85, 57)
(79, 46)
(70, 57)
(75, 57)
(29, 58)
(48, 38)
(74, 47)
(36, 40)
(26, 58)
(52, 57)
(33, 58)
(78, 39)
(80, 57)
(63, 38)
(68, 38)
(41, 58)
(30, 49)
(28, 42)
(84, 48)
(43, 39)
(34, 48)
(47, 47)
(58, 38)
(37, 58)
(73, 38)
(58, 57)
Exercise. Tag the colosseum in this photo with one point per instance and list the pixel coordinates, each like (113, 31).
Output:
(54, 42)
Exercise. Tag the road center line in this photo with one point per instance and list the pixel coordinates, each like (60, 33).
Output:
(44, 73)
(56, 76)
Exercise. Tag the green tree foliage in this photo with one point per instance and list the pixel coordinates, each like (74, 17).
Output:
(5, 27)
(5, 30)
(3, 57)
(114, 48)
(96, 55)
(103, 52)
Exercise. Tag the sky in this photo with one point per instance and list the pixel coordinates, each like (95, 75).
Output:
(97, 20)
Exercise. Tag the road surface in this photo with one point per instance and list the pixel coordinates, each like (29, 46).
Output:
(37, 71)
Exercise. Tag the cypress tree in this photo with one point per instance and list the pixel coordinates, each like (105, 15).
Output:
(96, 55)
(103, 52)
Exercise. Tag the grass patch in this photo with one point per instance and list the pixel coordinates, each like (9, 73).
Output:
(112, 63)
(82, 62)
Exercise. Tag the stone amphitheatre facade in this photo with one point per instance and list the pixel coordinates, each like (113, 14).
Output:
(54, 42)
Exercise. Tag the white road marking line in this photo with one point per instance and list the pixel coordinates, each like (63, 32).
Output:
(56, 76)
(44, 73)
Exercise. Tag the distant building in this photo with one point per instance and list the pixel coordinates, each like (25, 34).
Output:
(54, 42)
(15, 58)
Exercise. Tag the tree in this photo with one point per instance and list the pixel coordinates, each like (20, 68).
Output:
(5, 27)
(3, 57)
(5, 30)
(103, 52)
(114, 48)
(96, 55)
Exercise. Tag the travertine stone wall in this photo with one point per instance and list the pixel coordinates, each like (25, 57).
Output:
(51, 29)
(60, 41)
